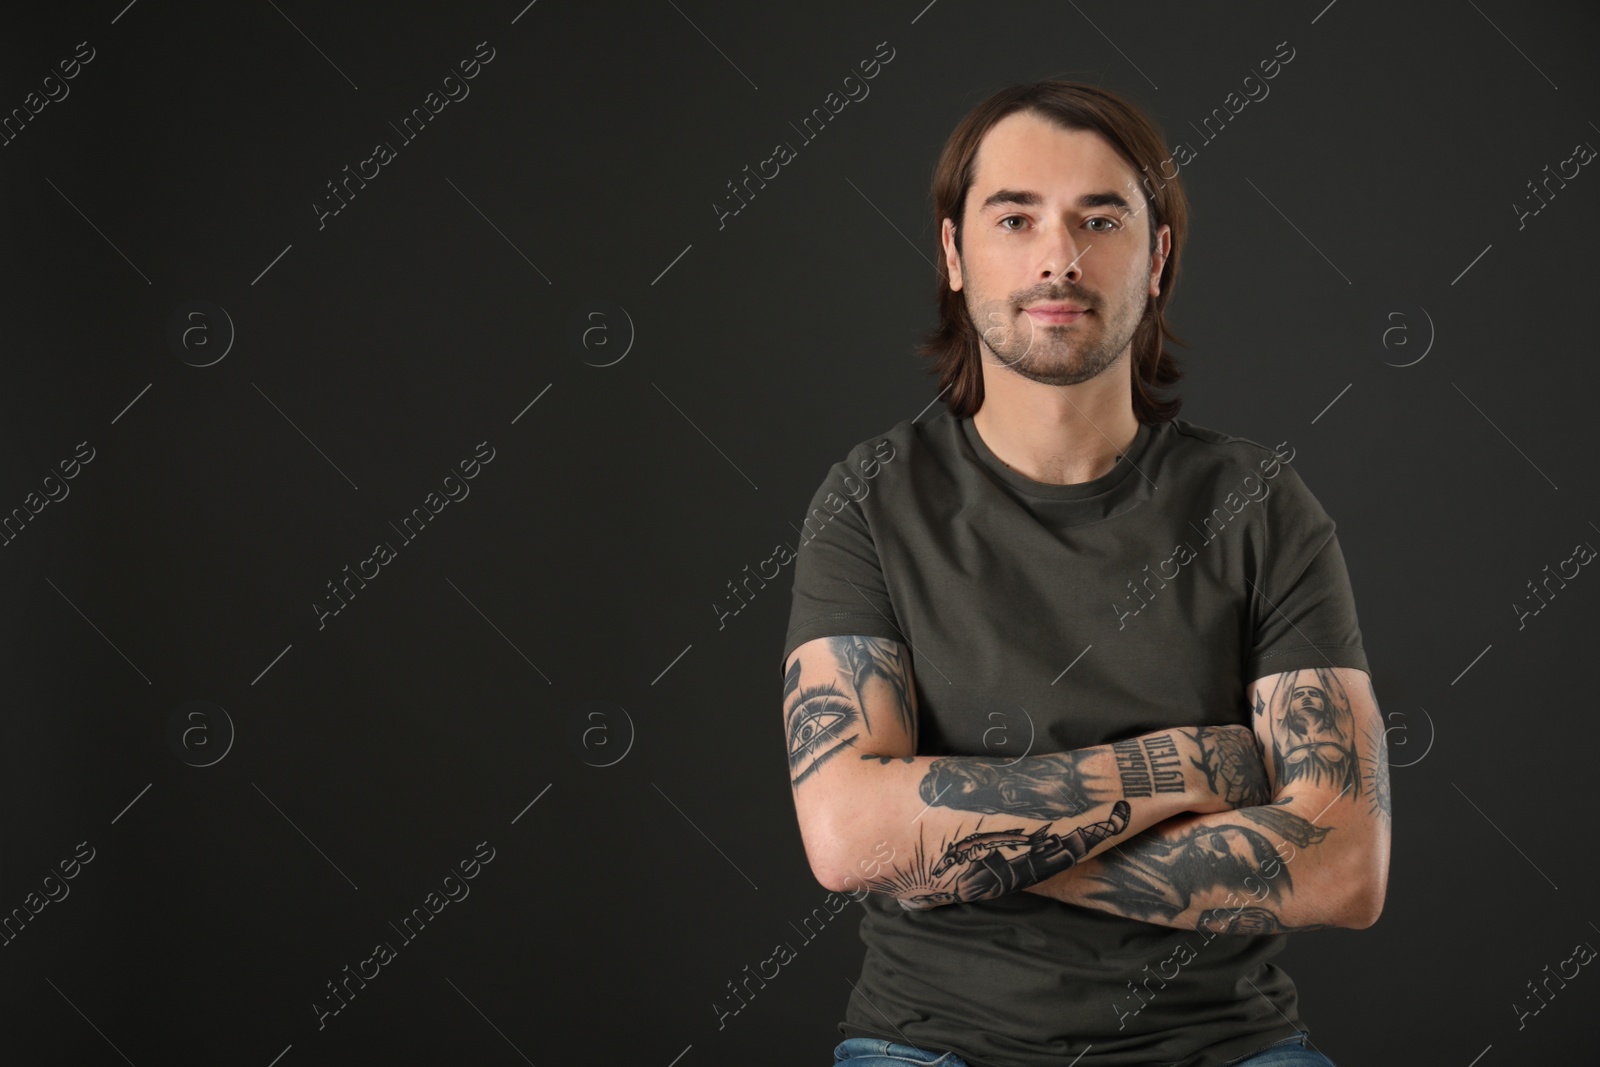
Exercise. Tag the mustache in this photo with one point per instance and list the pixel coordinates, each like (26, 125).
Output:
(1069, 297)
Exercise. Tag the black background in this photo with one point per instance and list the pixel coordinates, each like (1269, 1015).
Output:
(370, 755)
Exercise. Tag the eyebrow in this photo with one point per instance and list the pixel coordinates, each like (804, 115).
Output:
(1029, 198)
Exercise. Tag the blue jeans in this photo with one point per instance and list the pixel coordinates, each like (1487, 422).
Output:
(874, 1052)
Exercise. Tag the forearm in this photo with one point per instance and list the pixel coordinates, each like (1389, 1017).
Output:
(933, 830)
(1275, 868)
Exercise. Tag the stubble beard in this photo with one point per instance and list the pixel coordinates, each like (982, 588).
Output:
(1061, 354)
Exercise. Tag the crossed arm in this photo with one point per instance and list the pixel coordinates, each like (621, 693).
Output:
(1188, 827)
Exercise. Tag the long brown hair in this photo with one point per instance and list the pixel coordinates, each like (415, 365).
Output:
(953, 345)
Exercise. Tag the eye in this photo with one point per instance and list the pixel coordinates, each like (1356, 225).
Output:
(1115, 225)
(816, 722)
(1007, 219)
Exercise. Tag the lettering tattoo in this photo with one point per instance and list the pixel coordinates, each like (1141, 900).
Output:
(1231, 762)
(1040, 787)
(1149, 765)
(1313, 730)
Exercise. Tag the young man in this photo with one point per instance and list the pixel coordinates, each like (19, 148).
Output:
(1074, 691)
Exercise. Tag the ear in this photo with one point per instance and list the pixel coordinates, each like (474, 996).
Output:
(1158, 258)
(952, 259)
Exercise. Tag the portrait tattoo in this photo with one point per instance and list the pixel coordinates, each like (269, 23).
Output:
(1312, 728)
(1160, 876)
(1248, 920)
(1040, 787)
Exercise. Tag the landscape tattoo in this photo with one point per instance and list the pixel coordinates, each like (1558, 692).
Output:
(822, 720)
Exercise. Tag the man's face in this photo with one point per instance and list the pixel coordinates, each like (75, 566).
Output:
(1311, 732)
(1054, 216)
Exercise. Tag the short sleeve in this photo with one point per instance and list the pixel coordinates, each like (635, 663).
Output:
(839, 583)
(1303, 611)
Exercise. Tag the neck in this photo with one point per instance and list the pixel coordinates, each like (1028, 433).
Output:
(1057, 434)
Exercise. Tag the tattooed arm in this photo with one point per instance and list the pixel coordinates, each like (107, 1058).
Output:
(952, 829)
(1230, 872)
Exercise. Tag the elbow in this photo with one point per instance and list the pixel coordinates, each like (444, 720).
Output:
(1363, 911)
(851, 868)
(1367, 889)
(824, 850)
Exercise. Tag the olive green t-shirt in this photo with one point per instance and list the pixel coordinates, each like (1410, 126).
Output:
(1043, 618)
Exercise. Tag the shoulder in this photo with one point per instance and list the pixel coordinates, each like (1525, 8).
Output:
(900, 444)
(1214, 446)
(1247, 469)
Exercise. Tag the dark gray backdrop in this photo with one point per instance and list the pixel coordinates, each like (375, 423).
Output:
(541, 669)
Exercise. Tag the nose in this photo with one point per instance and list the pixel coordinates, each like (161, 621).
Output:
(1063, 256)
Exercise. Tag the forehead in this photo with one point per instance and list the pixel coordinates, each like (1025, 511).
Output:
(1026, 151)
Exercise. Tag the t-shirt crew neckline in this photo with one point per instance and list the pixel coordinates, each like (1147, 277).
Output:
(1119, 472)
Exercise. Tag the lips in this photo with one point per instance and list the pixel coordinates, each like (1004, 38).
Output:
(1056, 314)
